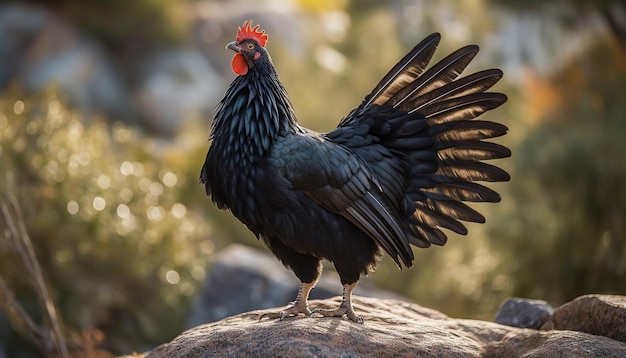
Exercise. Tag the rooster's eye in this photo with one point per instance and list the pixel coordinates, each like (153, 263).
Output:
(250, 46)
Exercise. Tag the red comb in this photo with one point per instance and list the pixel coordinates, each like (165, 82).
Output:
(247, 32)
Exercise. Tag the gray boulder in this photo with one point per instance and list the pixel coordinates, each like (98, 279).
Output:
(524, 313)
(39, 49)
(178, 85)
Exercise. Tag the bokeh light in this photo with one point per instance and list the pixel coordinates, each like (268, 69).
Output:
(72, 207)
(18, 107)
(172, 277)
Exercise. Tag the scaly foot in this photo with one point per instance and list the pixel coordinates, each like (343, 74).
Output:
(300, 305)
(345, 308)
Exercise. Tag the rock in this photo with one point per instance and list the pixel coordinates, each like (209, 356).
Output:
(41, 49)
(524, 313)
(243, 279)
(392, 328)
(603, 315)
(544, 344)
(178, 85)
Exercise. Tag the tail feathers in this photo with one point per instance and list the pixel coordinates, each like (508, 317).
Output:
(460, 108)
(476, 83)
(467, 130)
(444, 72)
(458, 210)
(464, 191)
(430, 215)
(443, 188)
(404, 72)
(472, 171)
(423, 236)
(425, 119)
(430, 212)
(449, 140)
(467, 150)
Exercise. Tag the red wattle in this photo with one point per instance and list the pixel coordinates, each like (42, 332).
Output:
(239, 64)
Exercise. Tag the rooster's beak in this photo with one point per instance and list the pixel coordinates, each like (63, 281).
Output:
(233, 46)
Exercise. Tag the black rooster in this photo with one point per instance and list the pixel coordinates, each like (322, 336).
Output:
(394, 172)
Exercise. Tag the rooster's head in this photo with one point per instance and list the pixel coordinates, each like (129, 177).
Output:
(249, 47)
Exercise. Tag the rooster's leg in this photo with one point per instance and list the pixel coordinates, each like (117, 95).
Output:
(300, 305)
(345, 308)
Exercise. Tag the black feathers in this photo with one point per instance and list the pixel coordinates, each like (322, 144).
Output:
(395, 172)
(404, 72)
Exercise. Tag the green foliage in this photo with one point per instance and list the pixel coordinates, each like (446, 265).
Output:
(119, 251)
(145, 23)
(565, 233)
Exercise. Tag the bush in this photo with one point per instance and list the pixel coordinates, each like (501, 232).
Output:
(565, 234)
(120, 253)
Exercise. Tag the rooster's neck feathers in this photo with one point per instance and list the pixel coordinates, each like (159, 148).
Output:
(254, 112)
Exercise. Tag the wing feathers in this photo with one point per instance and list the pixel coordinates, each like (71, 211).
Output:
(371, 216)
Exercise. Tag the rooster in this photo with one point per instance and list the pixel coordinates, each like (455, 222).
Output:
(394, 173)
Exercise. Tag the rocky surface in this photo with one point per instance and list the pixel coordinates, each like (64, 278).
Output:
(242, 279)
(603, 315)
(393, 328)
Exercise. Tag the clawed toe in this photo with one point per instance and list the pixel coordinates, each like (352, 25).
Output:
(296, 307)
(293, 310)
(300, 306)
(272, 315)
(339, 312)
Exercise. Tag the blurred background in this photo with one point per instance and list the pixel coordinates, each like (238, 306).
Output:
(105, 108)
